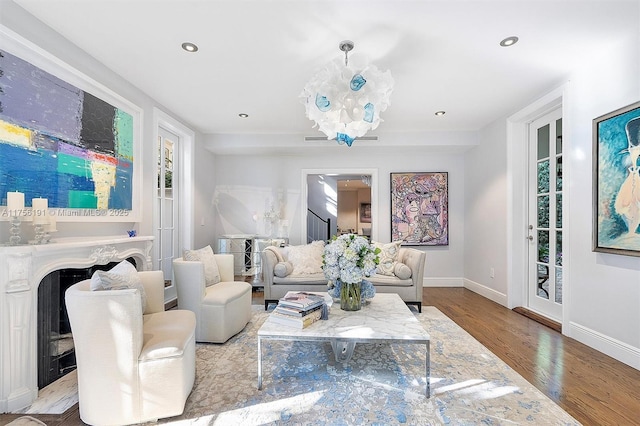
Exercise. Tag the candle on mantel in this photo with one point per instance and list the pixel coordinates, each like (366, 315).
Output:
(15, 202)
(51, 224)
(40, 208)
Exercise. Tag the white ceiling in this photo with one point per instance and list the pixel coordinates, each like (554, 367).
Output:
(256, 56)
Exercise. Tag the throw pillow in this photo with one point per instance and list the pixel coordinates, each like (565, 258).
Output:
(205, 255)
(388, 257)
(276, 253)
(122, 276)
(282, 269)
(307, 259)
(402, 271)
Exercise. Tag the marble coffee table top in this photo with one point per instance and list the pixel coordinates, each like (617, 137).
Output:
(386, 318)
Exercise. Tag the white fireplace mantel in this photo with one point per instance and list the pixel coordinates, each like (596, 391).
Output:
(21, 270)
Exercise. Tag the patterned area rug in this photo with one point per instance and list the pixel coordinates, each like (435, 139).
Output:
(382, 384)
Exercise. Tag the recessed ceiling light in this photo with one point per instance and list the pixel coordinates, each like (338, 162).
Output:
(189, 47)
(439, 113)
(243, 115)
(509, 41)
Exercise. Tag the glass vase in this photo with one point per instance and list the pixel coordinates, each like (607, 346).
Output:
(351, 297)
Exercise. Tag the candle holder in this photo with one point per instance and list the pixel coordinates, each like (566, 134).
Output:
(14, 240)
(46, 238)
(39, 233)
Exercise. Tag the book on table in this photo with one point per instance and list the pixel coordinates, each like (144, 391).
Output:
(301, 300)
(295, 312)
(294, 321)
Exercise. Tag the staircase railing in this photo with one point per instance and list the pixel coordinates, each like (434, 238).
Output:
(317, 227)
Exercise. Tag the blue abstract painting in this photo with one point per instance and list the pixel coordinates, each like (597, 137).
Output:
(60, 142)
(617, 181)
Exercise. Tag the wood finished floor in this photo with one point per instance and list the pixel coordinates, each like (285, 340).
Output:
(592, 387)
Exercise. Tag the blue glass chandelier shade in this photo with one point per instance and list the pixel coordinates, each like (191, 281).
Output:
(345, 100)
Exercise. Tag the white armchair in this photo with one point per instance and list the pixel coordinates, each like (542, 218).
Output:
(223, 309)
(132, 366)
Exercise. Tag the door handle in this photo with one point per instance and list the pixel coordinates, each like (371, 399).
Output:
(530, 238)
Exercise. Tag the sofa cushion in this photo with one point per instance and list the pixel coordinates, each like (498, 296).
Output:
(388, 257)
(306, 259)
(205, 255)
(282, 269)
(402, 271)
(166, 334)
(225, 292)
(303, 279)
(122, 276)
(386, 280)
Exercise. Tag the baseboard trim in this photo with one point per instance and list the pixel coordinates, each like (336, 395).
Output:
(621, 351)
(170, 304)
(614, 348)
(442, 282)
(485, 291)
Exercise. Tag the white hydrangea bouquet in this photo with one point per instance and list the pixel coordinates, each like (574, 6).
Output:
(346, 262)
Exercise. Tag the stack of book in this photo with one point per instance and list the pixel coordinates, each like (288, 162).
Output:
(299, 309)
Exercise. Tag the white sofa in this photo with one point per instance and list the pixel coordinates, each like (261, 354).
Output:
(223, 309)
(410, 290)
(132, 366)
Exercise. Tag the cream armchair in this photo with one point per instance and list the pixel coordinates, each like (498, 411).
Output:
(132, 367)
(223, 309)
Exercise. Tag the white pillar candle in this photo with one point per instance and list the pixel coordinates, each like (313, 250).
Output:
(15, 201)
(40, 211)
(51, 224)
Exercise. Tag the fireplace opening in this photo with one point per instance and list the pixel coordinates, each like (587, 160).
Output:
(56, 354)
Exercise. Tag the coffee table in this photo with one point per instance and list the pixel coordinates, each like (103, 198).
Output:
(385, 319)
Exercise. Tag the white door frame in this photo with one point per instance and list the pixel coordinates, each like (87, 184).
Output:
(517, 214)
(355, 171)
(186, 170)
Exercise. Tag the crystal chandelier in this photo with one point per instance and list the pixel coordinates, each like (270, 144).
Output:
(345, 101)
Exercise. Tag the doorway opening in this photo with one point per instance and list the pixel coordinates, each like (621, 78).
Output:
(518, 231)
(347, 197)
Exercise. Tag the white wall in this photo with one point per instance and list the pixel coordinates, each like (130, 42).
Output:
(243, 182)
(204, 210)
(602, 291)
(485, 215)
(604, 300)
(25, 25)
(322, 199)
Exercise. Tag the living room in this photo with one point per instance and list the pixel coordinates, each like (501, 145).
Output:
(237, 174)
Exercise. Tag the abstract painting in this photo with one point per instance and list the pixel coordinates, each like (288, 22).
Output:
(616, 187)
(419, 208)
(62, 143)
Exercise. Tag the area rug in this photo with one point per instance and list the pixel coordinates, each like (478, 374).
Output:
(382, 384)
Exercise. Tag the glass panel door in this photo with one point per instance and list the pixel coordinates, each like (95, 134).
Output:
(166, 237)
(545, 216)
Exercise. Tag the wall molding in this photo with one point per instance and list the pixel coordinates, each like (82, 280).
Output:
(608, 345)
(442, 282)
(485, 291)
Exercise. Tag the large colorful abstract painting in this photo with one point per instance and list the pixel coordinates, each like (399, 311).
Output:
(62, 143)
(419, 208)
(616, 188)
